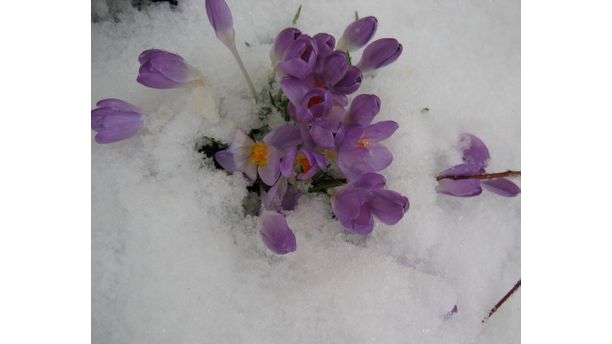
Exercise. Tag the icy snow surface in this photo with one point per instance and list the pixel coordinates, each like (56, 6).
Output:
(175, 261)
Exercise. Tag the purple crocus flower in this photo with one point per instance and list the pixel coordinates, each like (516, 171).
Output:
(220, 18)
(475, 160)
(358, 34)
(307, 161)
(360, 150)
(259, 158)
(355, 204)
(284, 39)
(299, 59)
(115, 120)
(379, 54)
(162, 69)
(276, 234)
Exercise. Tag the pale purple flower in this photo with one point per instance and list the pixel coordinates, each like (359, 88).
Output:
(476, 158)
(162, 69)
(259, 158)
(115, 120)
(308, 162)
(379, 53)
(276, 234)
(284, 39)
(360, 150)
(220, 18)
(358, 34)
(356, 203)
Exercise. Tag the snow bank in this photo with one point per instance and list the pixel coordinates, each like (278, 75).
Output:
(175, 260)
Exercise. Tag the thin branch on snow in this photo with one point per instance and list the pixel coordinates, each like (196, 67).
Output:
(508, 173)
(503, 299)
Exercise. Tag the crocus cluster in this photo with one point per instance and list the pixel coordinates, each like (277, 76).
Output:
(468, 178)
(326, 133)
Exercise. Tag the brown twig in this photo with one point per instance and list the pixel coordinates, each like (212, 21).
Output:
(503, 299)
(508, 173)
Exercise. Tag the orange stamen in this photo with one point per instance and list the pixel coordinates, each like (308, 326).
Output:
(315, 100)
(304, 163)
(259, 155)
(364, 142)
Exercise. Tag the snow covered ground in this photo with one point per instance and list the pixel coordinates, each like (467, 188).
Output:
(175, 261)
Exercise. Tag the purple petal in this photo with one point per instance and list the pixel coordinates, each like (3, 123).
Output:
(225, 158)
(363, 224)
(270, 172)
(379, 54)
(474, 150)
(334, 68)
(287, 165)
(273, 198)
(322, 137)
(294, 89)
(388, 206)
(320, 160)
(347, 203)
(350, 82)
(283, 137)
(117, 104)
(110, 136)
(462, 170)
(291, 199)
(381, 131)
(502, 187)
(155, 79)
(276, 234)
(459, 188)
(358, 33)
(363, 109)
(369, 182)
(220, 18)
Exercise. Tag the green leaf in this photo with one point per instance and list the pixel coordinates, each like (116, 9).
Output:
(297, 15)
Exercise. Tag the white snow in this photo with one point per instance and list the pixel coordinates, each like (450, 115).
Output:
(175, 261)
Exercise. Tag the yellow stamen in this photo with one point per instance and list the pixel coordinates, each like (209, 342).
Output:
(259, 155)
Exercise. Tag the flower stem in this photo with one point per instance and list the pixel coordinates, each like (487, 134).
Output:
(503, 299)
(508, 173)
(244, 72)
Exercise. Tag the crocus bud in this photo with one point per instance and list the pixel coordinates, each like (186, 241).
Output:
(115, 120)
(284, 39)
(325, 42)
(300, 58)
(162, 69)
(358, 34)
(379, 54)
(220, 18)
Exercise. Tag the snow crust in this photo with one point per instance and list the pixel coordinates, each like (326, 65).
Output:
(174, 260)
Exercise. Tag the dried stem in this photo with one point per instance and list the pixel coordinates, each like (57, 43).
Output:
(508, 173)
(503, 299)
